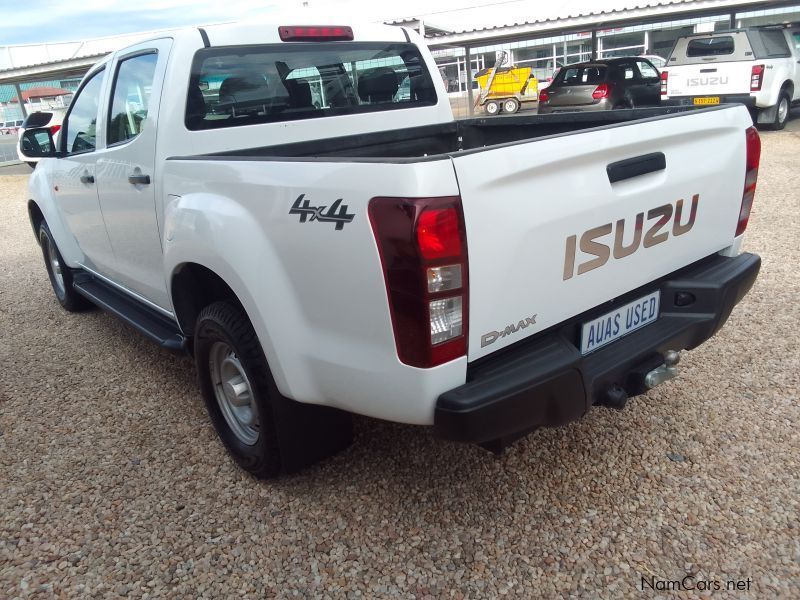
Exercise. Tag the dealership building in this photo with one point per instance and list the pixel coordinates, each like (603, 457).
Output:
(541, 35)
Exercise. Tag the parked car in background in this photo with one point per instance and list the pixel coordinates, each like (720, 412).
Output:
(657, 61)
(758, 67)
(543, 84)
(10, 127)
(51, 119)
(606, 84)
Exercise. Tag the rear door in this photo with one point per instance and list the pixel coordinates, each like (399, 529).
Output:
(528, 207)
(125, 169)
(649, 83)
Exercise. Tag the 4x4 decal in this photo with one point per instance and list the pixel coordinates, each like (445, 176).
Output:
(337, 213)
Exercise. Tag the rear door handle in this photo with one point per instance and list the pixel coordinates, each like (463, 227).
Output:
(633, 167)
(139, 179)
(86, 178)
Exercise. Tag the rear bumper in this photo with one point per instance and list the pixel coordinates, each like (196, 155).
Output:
(546, 109)
(545, 381)
(746, 99)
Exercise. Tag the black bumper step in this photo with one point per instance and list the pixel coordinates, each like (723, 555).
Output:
(160, 328)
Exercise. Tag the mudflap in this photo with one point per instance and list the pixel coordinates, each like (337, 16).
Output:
(309, 433)
(766, 115)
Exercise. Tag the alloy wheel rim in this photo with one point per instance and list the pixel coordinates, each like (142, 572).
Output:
(233, 393)
(783, 110)
(55, 268)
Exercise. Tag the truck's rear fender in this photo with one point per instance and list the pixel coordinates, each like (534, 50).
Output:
(293, 240)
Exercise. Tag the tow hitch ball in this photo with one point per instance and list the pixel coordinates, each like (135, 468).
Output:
(615, 396)
(665, 372)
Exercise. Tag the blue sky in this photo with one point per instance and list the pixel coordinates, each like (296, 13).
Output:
(35, 21)
(32, 21)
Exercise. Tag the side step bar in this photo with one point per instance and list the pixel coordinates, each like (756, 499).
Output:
(161, 329)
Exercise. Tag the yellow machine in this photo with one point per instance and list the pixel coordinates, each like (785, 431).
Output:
(505, 89)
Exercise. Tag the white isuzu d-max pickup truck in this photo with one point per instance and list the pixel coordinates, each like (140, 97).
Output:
(297, 208)
(757, 66)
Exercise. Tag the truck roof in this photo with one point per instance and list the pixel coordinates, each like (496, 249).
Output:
(730, 30)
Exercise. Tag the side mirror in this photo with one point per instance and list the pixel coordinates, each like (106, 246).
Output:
(37, 143)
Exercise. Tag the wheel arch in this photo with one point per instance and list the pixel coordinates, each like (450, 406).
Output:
(36, 217)
(193, 287)
(787, 86)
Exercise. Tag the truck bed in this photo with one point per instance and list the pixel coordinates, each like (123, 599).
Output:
(413, 144)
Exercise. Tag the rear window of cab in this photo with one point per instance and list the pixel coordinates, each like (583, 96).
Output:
(244, 85)
(714, 46)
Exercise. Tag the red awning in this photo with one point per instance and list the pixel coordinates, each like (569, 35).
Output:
(41, 92)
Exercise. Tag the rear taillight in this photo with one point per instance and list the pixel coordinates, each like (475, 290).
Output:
(303, 33)
(664, 79)
(601, 91)
(423, 249)
(756, 77)
(544, 96)
(54, 129)
(750, 177)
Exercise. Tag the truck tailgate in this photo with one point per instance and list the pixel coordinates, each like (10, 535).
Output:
(723, 78)
(523, 202)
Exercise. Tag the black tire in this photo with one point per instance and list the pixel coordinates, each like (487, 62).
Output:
(227, 323)
(66, 295)
(492, 108)
(779, 123)
(512, 104)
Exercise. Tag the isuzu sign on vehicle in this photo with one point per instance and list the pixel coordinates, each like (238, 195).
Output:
(300, 212)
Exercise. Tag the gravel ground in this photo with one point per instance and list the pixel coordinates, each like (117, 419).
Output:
(114, 483)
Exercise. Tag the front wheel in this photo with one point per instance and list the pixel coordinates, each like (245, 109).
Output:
(59, 274)
(491, 108)
(236, 385)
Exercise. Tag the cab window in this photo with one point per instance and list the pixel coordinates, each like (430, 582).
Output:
(230, 87)
(80, 127)
(131, 97)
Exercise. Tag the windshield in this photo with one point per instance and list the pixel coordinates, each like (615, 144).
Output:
(244, 85)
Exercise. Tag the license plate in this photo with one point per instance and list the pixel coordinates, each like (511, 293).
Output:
(703, 101)
(620, 322)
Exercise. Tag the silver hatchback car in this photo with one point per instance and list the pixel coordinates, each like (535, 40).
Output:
(603, 85)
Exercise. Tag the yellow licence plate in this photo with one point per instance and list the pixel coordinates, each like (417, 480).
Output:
(711, 100)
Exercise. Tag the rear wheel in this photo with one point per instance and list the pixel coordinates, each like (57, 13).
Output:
(781, 112)
(236, 385)
(60, 275)
(510, 106)
(491, 107)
